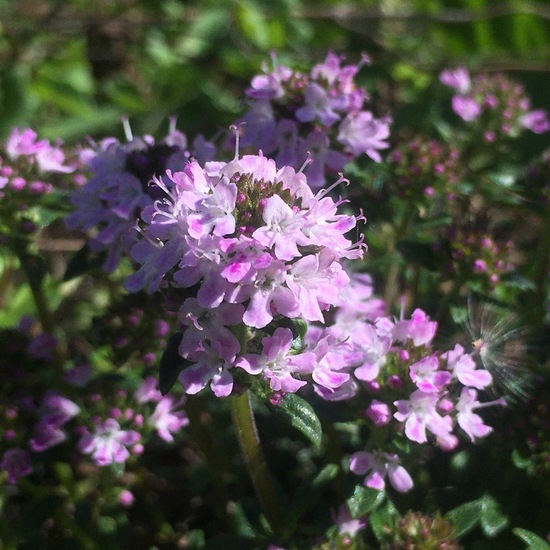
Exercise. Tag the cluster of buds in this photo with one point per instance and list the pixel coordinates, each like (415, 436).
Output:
(482, 257)
(425, 168)
(136, 333)
(416, 530)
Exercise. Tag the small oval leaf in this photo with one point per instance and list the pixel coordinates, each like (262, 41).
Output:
(492, 518)
(364, 501)
(464, 517)
(534, 541)
(300, 414)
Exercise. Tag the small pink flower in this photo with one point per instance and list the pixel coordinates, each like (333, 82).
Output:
(378, 412)
(470, 422)
(466, 108)
(109, 443)
(427, 376)
(377, 466)
(536, 121)
(459, 79)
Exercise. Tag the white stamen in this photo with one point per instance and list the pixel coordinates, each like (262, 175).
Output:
(127, 128)
(156, 244)
(172, 124)
(340, 180)
(309, 160)
(236, 130)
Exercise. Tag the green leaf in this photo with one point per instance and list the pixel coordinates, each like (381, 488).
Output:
(364, 501)
(171, 363)
(520, 462)
(328, 473)
(464, 517)
(492, 519)
(300, 415)
(381, 518)
(533, 541)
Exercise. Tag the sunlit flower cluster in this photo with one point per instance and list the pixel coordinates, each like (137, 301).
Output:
(321, 113)
(498, 104)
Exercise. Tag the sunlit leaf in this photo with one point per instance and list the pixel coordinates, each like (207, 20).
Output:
(300, 415)
(364, 501)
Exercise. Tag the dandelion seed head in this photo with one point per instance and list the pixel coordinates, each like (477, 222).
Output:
(499, 341)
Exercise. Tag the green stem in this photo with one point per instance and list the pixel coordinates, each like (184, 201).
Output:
(391, 290)
(44, 314)
(264, 485)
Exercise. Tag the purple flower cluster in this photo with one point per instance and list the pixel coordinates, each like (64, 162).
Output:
(498, 103)
(423, 394)
(256, 244)
(110, 202)
(111, 427)
(29, 170)
(321, 113)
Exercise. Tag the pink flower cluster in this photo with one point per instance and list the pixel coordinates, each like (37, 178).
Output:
(111, 427)
(27, 169)
(423, 394)
(292, 114)
(119, 189)
(256, 243)
(46, 157)
(117, 435)
(502, 104)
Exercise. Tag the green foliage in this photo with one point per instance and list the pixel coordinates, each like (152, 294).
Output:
(485, 512)
(300, 415)
(364, 501)
(533, 541)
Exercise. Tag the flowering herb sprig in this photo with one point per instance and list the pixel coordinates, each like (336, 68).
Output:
(292, 113)
(256, 243)
(31, 170)
(111, 200)
(499, 106)
(87, 415)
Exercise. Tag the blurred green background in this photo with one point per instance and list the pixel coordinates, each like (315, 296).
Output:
(72, 68)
